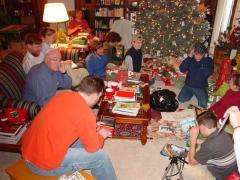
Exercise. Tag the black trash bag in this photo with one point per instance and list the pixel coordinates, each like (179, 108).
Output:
(163, 101)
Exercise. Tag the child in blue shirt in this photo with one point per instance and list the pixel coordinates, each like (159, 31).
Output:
(96, 61)
(198, 68)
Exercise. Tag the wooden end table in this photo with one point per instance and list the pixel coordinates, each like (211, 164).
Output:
(123, 123)
(16, 148)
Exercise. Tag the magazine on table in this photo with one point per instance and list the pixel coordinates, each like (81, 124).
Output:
(126, 108)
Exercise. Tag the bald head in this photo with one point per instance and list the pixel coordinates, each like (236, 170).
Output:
(53, 59)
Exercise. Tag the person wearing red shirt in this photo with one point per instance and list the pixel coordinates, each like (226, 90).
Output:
(64, 137)
(231, 98)
(78, 25)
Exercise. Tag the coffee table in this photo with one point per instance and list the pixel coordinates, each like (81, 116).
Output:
(130, 127)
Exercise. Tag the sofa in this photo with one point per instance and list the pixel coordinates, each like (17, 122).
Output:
(12, 78)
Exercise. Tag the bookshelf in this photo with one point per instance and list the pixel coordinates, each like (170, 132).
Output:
(108, 11)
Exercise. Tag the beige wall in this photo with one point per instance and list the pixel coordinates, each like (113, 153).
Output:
(237, 13)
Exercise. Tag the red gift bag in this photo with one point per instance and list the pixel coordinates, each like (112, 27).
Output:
(16, 115)
(224, 73)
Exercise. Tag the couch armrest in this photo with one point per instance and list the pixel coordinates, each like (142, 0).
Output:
(32, 107)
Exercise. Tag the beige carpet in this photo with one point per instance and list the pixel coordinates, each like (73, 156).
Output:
(133, 161)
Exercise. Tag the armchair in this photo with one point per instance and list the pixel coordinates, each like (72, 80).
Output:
(12, 78)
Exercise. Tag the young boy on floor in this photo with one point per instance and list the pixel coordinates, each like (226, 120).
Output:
(198, 68)
(134, 57)
(216, 152)
(231, 98)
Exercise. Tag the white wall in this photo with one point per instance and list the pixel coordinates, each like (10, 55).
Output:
(221, 22)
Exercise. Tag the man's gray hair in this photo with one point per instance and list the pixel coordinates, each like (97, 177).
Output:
(49, 53)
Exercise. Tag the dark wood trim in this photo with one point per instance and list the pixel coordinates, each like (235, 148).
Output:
(233, 13)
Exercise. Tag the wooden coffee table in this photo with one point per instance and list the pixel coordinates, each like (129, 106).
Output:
(130, 127)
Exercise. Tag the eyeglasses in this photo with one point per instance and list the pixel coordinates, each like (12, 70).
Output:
(55, 60)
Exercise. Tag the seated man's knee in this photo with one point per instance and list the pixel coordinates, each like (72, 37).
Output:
(100, 154)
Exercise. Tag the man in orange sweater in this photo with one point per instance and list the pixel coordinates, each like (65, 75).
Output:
(64, 137)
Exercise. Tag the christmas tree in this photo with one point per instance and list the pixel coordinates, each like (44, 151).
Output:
(171, 27)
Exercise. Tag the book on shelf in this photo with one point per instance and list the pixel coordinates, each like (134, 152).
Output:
(126, 108)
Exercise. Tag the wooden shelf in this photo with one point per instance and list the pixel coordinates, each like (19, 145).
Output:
(110, 6)
(107, 17)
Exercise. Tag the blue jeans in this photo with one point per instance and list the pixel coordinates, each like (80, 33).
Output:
(77, 158)
(188, 92)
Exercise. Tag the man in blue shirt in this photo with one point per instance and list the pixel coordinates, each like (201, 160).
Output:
(96, 62)
(44, 79)
(198, 69)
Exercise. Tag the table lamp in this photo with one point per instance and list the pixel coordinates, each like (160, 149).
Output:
(55, 13)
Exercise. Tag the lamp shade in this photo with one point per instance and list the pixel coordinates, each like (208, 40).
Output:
(55, 13)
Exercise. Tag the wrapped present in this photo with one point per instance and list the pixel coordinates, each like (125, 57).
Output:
(169, 129)
(175, 124)
(212, 100)
(224, 73)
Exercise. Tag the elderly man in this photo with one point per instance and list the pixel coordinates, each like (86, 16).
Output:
(34, 55)
(44, 79)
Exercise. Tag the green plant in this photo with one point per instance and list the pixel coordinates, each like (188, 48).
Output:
(61, 36)
(224, 41)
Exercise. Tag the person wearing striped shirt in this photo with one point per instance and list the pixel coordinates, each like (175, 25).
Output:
(217, 151)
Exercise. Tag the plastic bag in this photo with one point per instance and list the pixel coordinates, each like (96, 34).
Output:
(164, 101)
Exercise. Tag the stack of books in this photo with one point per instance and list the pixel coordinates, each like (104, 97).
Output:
(124, 96)
(126, 108)
(12, 134)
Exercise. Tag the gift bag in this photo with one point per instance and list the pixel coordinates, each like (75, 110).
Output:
(16, 115)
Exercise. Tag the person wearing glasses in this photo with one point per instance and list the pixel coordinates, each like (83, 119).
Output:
(44, 79)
